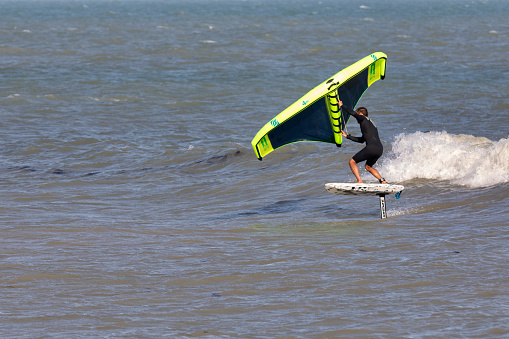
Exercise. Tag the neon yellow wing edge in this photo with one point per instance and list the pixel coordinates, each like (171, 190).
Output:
(376, 61)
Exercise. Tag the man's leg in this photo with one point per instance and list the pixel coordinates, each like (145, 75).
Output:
(355, 170)
(374, 172)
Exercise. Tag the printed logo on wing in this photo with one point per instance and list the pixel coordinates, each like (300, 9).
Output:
(274, 122)
(372, 70)
(264, 142)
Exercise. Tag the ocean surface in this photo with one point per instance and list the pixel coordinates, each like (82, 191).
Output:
(133, 205)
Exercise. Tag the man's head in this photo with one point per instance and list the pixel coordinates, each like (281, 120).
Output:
(363, 111)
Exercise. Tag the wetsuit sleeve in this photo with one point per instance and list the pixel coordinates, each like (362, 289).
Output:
(357, 117)
(354, 114)
(356, 139)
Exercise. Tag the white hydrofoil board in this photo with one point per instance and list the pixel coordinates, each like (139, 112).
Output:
(344, 188)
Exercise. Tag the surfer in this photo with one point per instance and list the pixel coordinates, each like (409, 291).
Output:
(373, 150)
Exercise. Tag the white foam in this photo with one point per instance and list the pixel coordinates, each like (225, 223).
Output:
(460, 159)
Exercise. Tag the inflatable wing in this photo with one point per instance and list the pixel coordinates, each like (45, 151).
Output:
(317, 116)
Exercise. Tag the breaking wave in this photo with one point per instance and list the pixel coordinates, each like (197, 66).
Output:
(461, 159)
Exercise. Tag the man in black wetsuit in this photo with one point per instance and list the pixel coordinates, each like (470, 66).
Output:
(373, 150)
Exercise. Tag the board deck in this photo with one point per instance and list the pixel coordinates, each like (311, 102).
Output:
(344, 188)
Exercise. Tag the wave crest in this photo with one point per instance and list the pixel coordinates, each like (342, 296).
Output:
(461, 159)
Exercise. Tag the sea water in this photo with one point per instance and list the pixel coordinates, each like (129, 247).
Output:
(133, 204)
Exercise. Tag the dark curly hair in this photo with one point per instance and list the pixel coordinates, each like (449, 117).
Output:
(363, 110)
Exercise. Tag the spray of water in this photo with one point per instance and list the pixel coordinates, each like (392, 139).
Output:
(461, 159)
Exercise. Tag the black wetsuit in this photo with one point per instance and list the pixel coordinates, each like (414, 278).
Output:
(374, 149)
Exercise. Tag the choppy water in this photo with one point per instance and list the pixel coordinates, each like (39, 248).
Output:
(134, 206)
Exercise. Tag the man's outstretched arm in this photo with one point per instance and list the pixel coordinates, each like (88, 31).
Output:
(351, 137)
